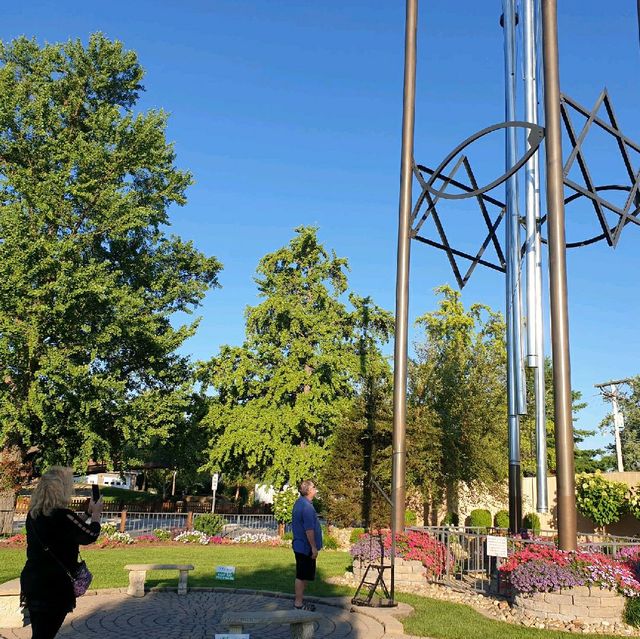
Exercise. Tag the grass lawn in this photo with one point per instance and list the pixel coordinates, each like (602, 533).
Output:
(267, 568)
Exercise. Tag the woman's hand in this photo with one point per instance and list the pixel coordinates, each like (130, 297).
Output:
(95, 509)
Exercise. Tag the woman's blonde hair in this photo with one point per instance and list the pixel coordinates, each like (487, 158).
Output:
(54, 490)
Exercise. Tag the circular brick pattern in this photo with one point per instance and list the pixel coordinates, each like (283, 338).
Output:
(197, 615)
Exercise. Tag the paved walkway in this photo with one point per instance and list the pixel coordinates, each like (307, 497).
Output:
(165, 615)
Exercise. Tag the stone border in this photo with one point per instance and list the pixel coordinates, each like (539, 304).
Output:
(581, 603)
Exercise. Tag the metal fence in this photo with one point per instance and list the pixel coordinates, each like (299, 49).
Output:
(469, 567)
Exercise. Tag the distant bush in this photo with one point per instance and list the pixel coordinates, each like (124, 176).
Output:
(501, 520)
(410, 518)
(531, 521)
(356, 533)
(480, 518)
(450, 519)
(162, 535)
(283, 505)
(209, 523)
(600, 500)
(330, 542)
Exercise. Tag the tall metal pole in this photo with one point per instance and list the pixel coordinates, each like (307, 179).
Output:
(567, 523)
(618, 422)
(512, 243)
(535, 336)
(398, 488)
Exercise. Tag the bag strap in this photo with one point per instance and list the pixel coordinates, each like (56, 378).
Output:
(47, 549)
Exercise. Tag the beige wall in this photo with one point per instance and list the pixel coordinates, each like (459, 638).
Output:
(498, 500)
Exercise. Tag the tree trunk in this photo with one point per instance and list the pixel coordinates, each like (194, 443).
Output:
(7, 509)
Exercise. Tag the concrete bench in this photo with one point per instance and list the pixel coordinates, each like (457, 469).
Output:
(12, 615)
(300, 621)
(138, 574)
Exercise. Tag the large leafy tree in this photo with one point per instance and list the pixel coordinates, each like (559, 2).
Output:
(457, 421)
(277, 399)
(89, 278)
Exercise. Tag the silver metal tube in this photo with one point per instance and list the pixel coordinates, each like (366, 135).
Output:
(512, 249)
(535, 337)
(398, 490)
(566, 498)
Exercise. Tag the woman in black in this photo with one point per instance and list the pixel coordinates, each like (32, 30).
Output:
(54, 534)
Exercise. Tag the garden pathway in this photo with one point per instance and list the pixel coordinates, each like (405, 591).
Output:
(111, 614)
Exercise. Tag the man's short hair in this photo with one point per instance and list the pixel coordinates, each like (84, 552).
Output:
(305, 486)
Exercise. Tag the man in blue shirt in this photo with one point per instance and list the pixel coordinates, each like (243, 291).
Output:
(307, 540)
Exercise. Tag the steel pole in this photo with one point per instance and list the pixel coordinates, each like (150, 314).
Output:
(535, 336)
(512, 244)
(567, 525)
(618, 422)
(398, 488)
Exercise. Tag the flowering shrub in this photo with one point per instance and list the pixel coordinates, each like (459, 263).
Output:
(162, 535)
(283, 504)
(411, 545)
(106, 530)
(600, 500)
(192, 537)
(256, 538)
(15, 540)
(216, 539)
(146, 538)
(634, 501)
(539, 568)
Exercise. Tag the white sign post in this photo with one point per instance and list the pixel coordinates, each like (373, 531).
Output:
(214, 487)
(496, 546)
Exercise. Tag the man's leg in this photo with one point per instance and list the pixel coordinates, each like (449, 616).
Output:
(300, 584)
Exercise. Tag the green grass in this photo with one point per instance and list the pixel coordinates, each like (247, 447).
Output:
(264, 568)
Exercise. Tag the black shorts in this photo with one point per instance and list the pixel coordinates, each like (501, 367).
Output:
(305, 567)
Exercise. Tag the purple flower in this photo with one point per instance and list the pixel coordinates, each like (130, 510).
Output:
(539, 575)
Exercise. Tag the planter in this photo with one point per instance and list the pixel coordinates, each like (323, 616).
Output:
(407, 572)
(589, 604)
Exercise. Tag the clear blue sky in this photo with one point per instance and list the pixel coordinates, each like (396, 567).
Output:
(289, 113)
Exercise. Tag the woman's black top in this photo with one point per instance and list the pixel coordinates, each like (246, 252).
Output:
(44, 583)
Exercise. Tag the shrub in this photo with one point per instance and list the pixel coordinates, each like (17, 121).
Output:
(107, 530)
(450, 519)
(501, 519)
(283, 504)
(330, 542)
(356, 533)
(632, 611)
(531, 521)
(410, 518)
(210, 523)
(480, 518)
(602, 501)
(192, 537)
(288, 536)
(162, 534)
(634, 501)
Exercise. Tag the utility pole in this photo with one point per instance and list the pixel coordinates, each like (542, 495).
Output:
(618, 417)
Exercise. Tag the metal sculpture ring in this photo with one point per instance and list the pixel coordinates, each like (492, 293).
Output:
(534, 139)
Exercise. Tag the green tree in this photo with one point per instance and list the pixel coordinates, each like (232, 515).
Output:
(457, 399)
(277, 399)
(90, 283)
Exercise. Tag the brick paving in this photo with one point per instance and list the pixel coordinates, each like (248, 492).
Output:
(166, 615)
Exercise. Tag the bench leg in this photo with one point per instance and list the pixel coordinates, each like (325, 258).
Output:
(136, 583)
(182, 582)
(302, 630)
(235, 629)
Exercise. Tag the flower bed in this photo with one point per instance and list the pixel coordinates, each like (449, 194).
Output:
(556, 584)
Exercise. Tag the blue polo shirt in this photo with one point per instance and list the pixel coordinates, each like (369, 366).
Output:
(305, 518)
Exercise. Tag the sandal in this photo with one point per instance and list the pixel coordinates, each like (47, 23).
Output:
(305, 606)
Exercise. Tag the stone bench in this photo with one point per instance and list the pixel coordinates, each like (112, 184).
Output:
(138, 574)
(12, 615)
(300, 621)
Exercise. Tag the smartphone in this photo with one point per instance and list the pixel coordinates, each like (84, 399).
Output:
(95, 492)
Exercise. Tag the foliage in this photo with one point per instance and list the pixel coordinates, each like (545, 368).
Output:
(90, 283)
(329, 542)
(162, 535)
(457, 404)
(634, 501)
(107, 530)
(19, 540)
(355, 535)
(501, 519)
(600, 500)
(450, 519)
(11, 468)
(192, 537)
(256, 538)
(539, 568)
(109, 539)
(283, 502)
(531, 521)
(410, 518)
(480, 518)
(631, 613)
(209, 523)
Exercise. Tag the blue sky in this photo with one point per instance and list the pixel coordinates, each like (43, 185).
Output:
(289, 113)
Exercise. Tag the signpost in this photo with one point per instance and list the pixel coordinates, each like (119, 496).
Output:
(226, 573)
(214, 487)
(496, 546)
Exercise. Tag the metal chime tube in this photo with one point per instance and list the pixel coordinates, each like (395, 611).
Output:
(515, 385)
(535, 339)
